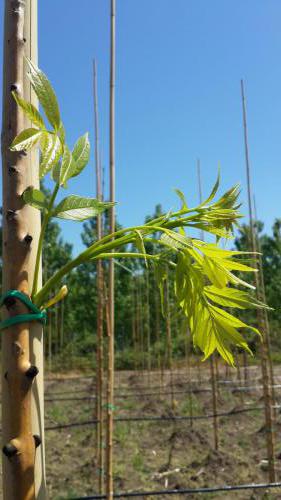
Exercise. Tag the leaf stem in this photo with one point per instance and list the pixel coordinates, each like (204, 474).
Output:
(46, 219)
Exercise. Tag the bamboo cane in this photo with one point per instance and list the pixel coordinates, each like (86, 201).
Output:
(62, 324)
(169, 342)
(110, 382)
(188, 369)
(239, 378)
(148, 336)
(212, 362)
(157, 328)
(260, 318)
(22, 346)
(134, 322)
(50, 340)
(214, 402)
(141, 326)
(100, 301)
(265, 314)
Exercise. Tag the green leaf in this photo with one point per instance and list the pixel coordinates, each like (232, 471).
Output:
(29, 110)
(225, 318)
(51, 151)
(45, 94)
(68, 166)
(231, 297)
(81, 153)
(140, 244)
(56, 173)
(35, 198)
(78, 208)
(174, 240)
(216, 273)
(26, 139)
(182, 198)
(213, 192)
(220, 232)
(61, 133)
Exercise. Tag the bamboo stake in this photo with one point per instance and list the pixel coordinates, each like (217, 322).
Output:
(134, 322)
(245, 363)
(50, 340)
(22, 346)
(266, 321)
(169, 342)
(62, 324)
(140, 306)
(214, 402)
(239, 378)
(100, 301)
(212, 366)
(188, 369)
(264, 342)
(56, 330)
(148, 330)
(202, 238)
(157, 328)
(110, 382)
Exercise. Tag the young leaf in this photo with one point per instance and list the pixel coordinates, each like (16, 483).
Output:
(232, 297)
(45, 94)
(140, 244)
(51, 151)
(61, 133)
(216, 273)
(57, 298)
(29, 110)
(213, 192)
(181, 197)
(81, 153)
(26, 139)
(79, 208)
(35, 198)
(68, 166)
(56, 173)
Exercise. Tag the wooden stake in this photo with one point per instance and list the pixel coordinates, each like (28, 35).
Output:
(265, 314)
(188, 370)
(260, 316)
(50, 340)
(110, 381)
(148, 336)
(100, 300)
(22, 346)
(212, 365)
(169, 342)
(157, 328)
(214, 402)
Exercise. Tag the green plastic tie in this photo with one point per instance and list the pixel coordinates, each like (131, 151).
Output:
(34, 315)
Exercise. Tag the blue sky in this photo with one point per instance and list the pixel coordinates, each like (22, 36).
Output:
(179, 65)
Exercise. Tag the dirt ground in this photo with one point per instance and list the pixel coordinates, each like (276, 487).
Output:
(159, 455)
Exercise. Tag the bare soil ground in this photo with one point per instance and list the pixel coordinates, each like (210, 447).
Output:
(156, 455)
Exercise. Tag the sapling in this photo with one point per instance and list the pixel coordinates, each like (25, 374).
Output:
(204, 282)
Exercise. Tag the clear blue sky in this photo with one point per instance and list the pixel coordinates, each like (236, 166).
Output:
(179, 65)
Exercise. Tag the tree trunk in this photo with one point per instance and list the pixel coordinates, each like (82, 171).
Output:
(22, 349)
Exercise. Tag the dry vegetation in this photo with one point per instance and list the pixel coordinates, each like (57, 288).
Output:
(160, 454)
